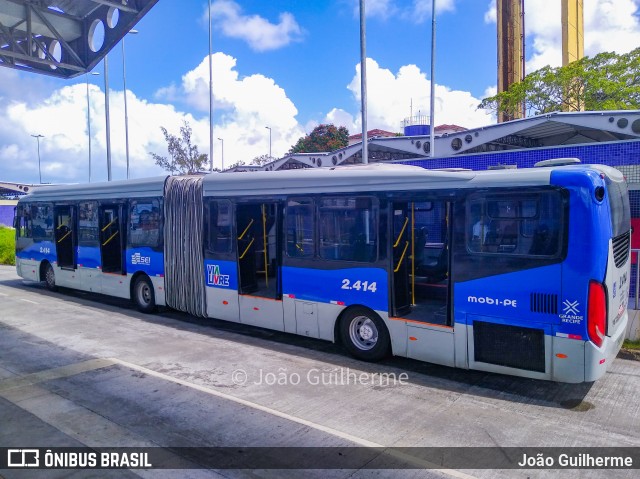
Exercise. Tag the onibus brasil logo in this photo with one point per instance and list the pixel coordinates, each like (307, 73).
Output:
(214, 278)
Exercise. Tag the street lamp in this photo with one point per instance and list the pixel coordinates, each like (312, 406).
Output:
(222, 152)
(269, 128)
(106, 114)
(89, 120)
(211, 97)
(126, 116)
(37, 137)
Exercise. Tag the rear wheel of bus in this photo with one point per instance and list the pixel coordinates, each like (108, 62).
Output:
(364, 334)
(143, 295)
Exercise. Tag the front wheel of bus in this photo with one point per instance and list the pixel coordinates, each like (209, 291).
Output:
(49, 277)
(143, 295)
(364, 334)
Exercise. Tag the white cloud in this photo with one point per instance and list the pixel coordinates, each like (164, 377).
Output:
(491, 16)
(243, 108)
(609, 25)
(390, 96)
(258, 32)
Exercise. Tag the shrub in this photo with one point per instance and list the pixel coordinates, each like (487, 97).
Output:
(7, 245)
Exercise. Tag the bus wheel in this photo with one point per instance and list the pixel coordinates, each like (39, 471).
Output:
(143, 295)
(49, 277)
(364, 334)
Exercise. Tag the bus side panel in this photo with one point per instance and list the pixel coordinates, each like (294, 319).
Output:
(510, 332)
(89, 268)
(29, 259)
(221, 284)
(331, 291)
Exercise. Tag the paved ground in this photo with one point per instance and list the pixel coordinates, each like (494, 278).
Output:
(86, 370)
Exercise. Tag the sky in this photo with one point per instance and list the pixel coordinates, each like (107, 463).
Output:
(284, 64)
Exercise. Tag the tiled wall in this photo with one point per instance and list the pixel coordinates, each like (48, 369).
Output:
(620, 153)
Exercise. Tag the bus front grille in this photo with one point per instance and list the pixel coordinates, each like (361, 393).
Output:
(511, 346)
(621, 248)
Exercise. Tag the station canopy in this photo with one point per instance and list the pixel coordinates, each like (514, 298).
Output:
(64, 38)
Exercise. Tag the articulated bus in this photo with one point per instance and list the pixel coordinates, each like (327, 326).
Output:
(522, 272)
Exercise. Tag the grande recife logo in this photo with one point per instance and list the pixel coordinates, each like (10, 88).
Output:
(214, 278)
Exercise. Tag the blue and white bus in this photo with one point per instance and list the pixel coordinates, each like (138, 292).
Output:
(522, 272)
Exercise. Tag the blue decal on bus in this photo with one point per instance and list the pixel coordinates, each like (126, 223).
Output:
(144, 259)
(221, 274)
(38, 251)
(368, 286)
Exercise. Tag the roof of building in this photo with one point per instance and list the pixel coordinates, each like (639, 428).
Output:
(552, 129)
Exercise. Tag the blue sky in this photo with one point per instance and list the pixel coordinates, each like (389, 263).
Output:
(285, 64)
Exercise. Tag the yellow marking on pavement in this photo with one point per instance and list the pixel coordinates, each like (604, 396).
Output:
(55, 373)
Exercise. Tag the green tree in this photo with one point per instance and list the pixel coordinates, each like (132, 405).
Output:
(322, 138)
(262, 160)
(606, 81)
(184, 156)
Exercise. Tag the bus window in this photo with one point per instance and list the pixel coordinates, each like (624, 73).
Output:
(23, 222)
(348, 229)
(42, 222)
(220, 224)
(515, 224)
(88, 223)
(144, 223)
(300, 243)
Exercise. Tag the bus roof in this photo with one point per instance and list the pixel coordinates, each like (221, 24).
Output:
(375, 177)
(140, 188)
(361, 178)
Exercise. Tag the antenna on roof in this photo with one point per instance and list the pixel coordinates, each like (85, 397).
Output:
(557, 162)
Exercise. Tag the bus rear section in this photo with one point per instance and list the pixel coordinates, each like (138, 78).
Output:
(541, 287)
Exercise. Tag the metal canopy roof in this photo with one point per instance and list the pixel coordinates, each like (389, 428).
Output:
(64, 38)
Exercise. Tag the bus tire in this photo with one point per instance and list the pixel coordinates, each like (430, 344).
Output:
(49, 277)
(143, 295)
(364, 334)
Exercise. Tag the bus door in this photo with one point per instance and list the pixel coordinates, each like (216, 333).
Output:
(65, 236)
(111, 238)
(421, 261)
(400, 244)
(259, 256)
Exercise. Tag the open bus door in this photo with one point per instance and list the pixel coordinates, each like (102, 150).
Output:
(111, 238)
(421, 261)
(259, 256)
(65, 236)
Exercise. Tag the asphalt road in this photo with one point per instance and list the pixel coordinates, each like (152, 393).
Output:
(82, 370)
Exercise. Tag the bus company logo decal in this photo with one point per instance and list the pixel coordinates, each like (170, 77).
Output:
(214, 278)
(137, 258)
(571, 312)
(494, 301)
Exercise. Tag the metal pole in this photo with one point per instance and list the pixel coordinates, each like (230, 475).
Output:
(106, 115)
(363, 83)
(126, 113)
(89, 125)
(432, 106)
(37, 137)
(269, 128)
(210, 96)
(222, 151)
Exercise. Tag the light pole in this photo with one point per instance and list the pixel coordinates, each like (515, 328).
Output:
(210, 97)
(89, 120)
(269, 128)
(363, 82)
(222, 152)
(432, 107)
(37, 137)
(126, 116)
(106, 114)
